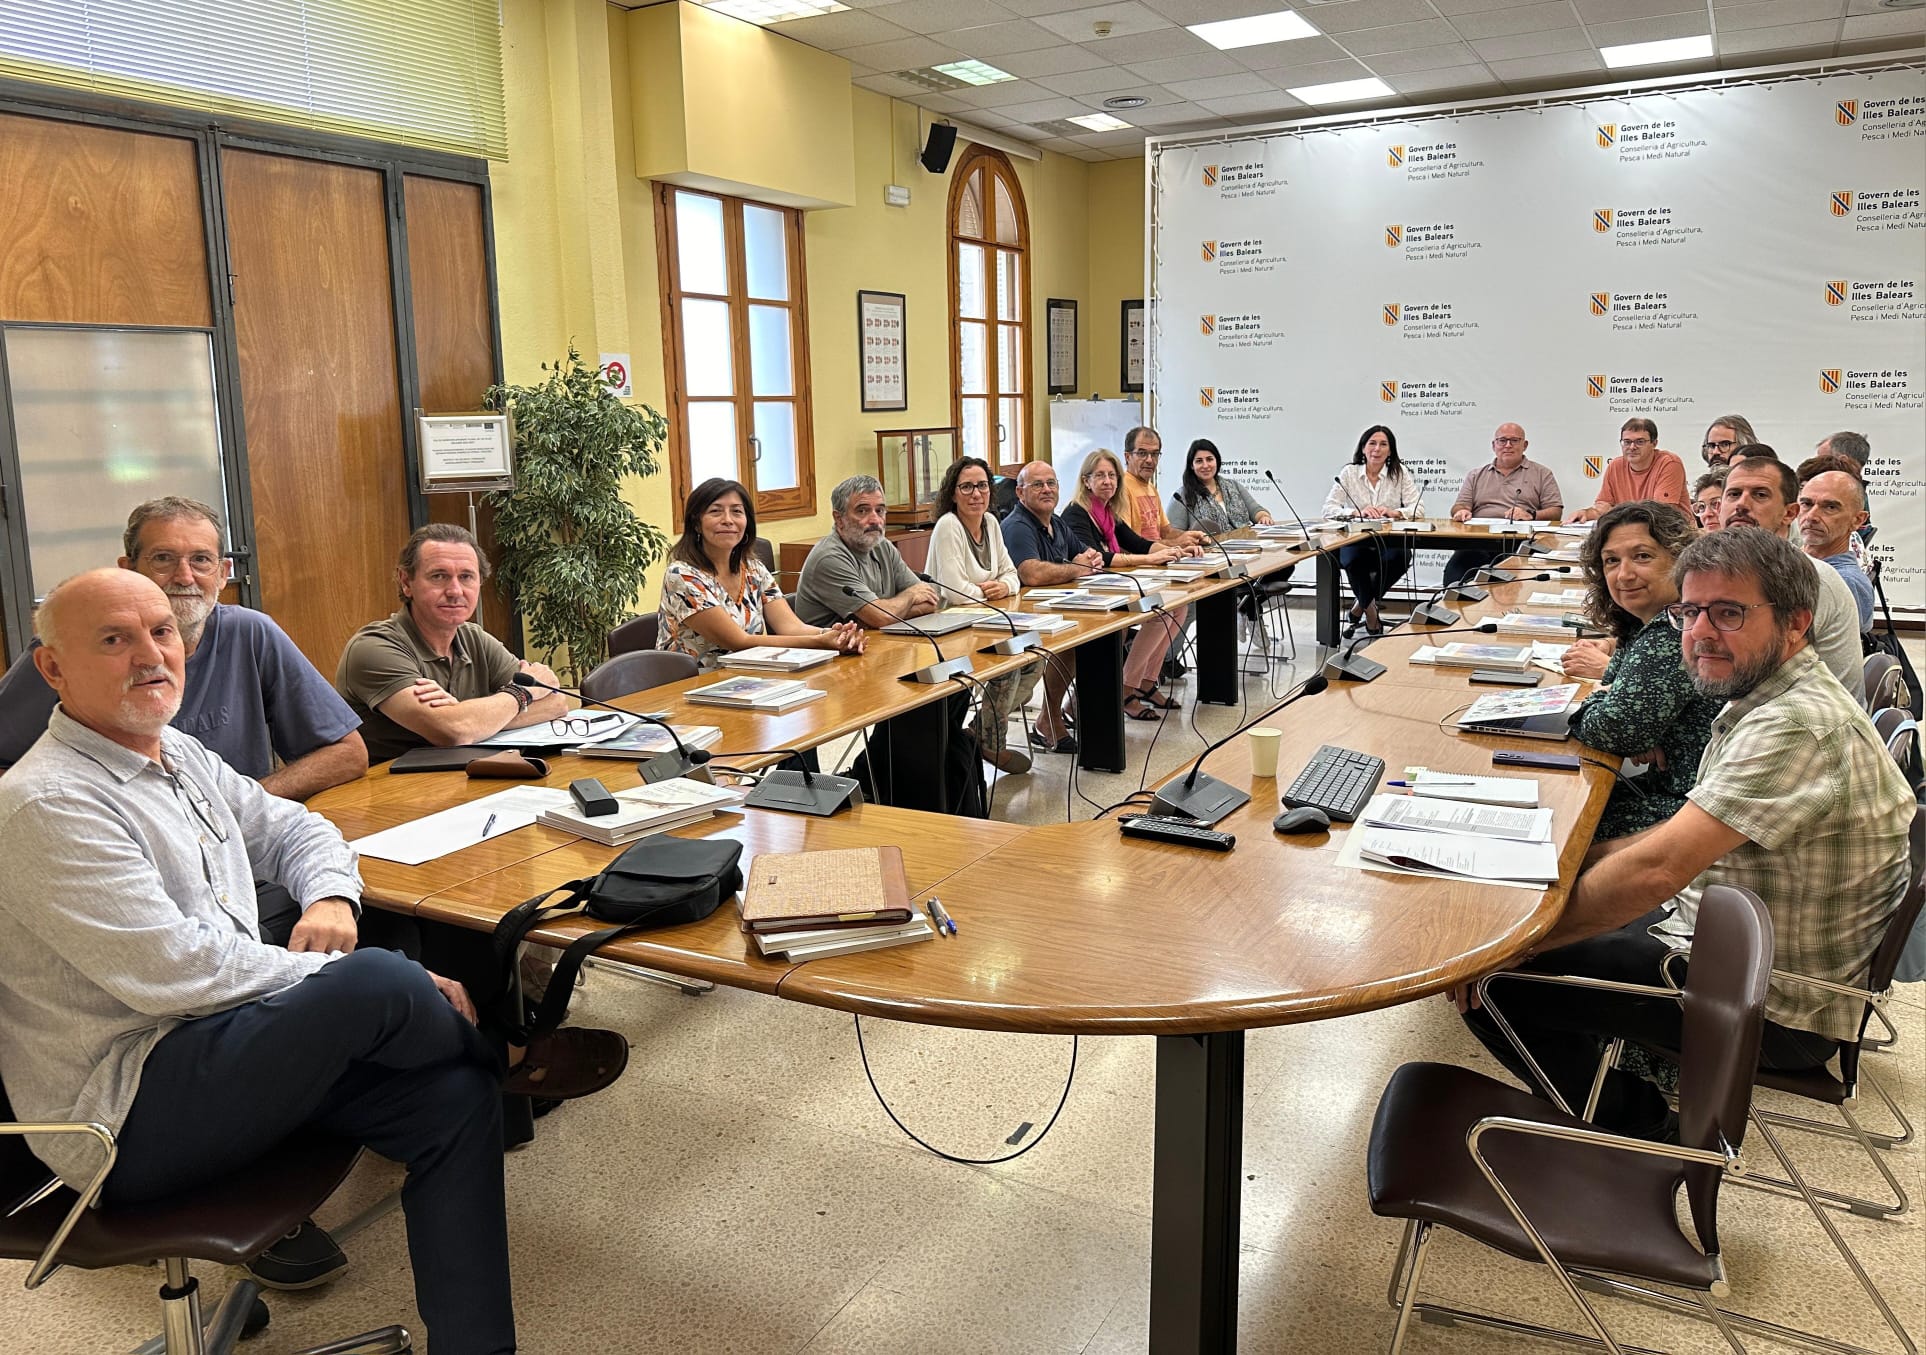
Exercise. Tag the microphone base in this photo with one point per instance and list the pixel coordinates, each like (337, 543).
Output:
(668, 766)
(938, 673)
(1014, 644)
(1435, 614)
(821, 795)
(1352, 667)
(1207, 799)
(1150, 601)
(1459, 592)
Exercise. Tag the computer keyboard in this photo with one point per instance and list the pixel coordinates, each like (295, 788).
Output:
(1338, 781)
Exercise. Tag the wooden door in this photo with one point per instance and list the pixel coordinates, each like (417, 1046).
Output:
(314, 325)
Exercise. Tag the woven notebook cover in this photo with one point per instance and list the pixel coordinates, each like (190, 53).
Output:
(856, 884)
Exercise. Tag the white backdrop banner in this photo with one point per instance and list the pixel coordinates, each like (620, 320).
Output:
(1758, 249)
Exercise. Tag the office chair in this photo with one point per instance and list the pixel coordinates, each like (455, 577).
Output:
(227, 1222)
(637, 671)
(635, 636)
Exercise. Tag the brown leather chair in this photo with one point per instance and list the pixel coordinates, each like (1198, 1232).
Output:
(637, 672)
(228, 1222)
(766, 553)
(635, 635)
(1885, 683)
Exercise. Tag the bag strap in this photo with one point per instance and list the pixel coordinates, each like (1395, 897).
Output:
(514, 925)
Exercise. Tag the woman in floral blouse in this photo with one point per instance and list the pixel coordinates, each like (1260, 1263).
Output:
(1648, 710)
(718, 597)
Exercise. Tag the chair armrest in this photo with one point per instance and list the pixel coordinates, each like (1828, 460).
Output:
(1564, 981)
(84, 1201)
(1596, 1137)
(1844, 989)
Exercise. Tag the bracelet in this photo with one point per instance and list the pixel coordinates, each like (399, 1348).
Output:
(523, 697)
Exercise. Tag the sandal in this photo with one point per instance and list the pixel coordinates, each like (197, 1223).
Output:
(1142, 712)
(568, 1064)
(1151, 697)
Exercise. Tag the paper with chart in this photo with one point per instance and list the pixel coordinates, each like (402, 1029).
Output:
(424, 839)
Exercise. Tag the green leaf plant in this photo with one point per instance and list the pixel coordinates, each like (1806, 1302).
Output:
(571, 551)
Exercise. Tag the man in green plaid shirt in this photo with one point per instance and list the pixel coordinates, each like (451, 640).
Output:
(1797, 800)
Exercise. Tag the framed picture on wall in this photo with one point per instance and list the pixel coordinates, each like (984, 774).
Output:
(1133, 346)
(883, 347)
(1063, 346)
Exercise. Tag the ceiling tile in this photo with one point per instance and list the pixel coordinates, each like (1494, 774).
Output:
(1212, 11)
(1159, 98)
(1199, 67)
(1516, 45)
(1104, 79)
(1388, 64)
(1353, 15)
(1062, 145)
(1496, 23)
(1399, 38)
(1042, 110)
(1780, 38)
(1665, 26)
(1892, 24)
(1546, 67)
(1004, 93)
(1029, 9)
(1454, 78)
(926, 16)
(995, 40)
(1452, 8)
(1168, 115)
(1249, 106)
(1125, 18)
(1775, 14)
(833, 32)
(1221, 87)
(1618, 11)
(905, 54)
(1298, 52)
(1153, 46)
(944, 103)
(1052, 61)
(1318, 73)
(889, 84)
(1740, 60)
(1124, 138)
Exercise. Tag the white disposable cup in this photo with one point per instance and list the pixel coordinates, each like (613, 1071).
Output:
(1264, 744)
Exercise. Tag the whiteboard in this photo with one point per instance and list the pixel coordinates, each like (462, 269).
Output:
(1079, 427)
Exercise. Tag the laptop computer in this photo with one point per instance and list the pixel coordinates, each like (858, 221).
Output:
(936, 623)
(1556, 726)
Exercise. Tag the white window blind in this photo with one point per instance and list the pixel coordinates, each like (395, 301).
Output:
(420, 72)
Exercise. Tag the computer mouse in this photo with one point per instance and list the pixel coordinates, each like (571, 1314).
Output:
(1303, 819)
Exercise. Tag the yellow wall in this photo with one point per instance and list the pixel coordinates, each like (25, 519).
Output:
(575, 227)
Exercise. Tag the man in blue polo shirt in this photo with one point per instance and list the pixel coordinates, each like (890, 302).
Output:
(1045, 553)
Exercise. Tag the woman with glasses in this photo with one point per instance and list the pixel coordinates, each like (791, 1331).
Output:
(1728, 433)
(717, 597)
(1648, 709)
(1706, 493)
(967, 556)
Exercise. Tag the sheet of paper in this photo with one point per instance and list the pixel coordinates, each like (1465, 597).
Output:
(602, 724)
(1350, 855)
(1456, 857)
(424, 839)
(1463, 817)
(1516, 525)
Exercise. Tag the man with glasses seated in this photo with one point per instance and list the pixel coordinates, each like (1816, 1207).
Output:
(1796, 800)
(1510, 487)
(429, 674)
(1641, 470)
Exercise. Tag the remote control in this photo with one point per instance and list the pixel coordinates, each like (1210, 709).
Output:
(1184, 832)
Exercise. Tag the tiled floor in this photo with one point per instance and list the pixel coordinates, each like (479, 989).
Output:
(741, 1191)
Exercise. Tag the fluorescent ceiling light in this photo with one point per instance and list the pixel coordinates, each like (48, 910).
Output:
(1283, 26)
(973, 72)
(774, 11)
(1343, 92)
(1656, 53)
(1100, 122)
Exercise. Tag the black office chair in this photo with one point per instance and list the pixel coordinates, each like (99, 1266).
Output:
(228, 1222)
(626, 674)
(635, 635)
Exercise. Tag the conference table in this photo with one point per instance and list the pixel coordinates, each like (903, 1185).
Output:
(1069, 928)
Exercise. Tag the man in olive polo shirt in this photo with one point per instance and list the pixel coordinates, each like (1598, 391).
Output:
(429, 674)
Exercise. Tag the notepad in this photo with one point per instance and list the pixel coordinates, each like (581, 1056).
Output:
(1490, 790)
(790, 891)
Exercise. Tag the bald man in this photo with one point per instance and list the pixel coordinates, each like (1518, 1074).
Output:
(136, 991)
(1832, 506)
(1510, 487)
(1047, 555)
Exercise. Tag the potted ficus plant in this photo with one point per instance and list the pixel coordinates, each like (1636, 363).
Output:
(572, 552)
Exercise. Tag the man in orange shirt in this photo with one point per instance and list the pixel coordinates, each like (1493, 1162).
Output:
(1640, 471)
(1143, 448)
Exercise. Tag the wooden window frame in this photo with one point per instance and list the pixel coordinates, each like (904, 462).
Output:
(995, 165)
(770, 505)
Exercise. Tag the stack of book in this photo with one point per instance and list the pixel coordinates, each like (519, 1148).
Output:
(755, 693)
(1548, 628)
(809, 905)
(1502, 658)
(1073, 600)
(641, 742)
(985, 618)
(776, 659)
(643, 810)
(1567, 600)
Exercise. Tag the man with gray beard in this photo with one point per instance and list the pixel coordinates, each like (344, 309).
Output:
(1797, 800)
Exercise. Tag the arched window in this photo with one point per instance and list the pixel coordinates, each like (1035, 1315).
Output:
(990, 309)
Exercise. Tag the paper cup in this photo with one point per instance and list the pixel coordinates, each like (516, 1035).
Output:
(1264, 744)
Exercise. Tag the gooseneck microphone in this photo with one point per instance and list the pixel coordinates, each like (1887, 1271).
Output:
(1288, 504)
(940, 671)
(1232, 568)
(1143, 602)
(1466, 589)
(1207, 799)
(1370, 524)
(1015, 642)
(661, 767)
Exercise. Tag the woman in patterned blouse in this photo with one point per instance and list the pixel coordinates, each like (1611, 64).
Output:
(717, 596)
(1648, 710)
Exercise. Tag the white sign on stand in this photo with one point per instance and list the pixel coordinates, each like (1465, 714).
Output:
(465, 453)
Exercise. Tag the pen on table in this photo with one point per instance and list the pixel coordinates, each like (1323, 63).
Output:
(933, 908)
(489, 826)
(1435, 781)
(942, 915)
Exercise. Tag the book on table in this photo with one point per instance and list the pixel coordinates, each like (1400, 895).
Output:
(986, 618)
(1075, 600)
(755, 693)
(1108, 583)
(1562, 601)
(1506, 658)
(644, 741)
(821, 943)
(642, 810)
(1537, 627)
(825, 890)
(777, 658)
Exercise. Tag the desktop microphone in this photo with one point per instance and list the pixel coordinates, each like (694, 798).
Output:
(1234, 570)
(661, 767)
(940, 671)
(1466, 589)
(1015, 642)
(1144, 601)
(1207, 799)
(1288, 504)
